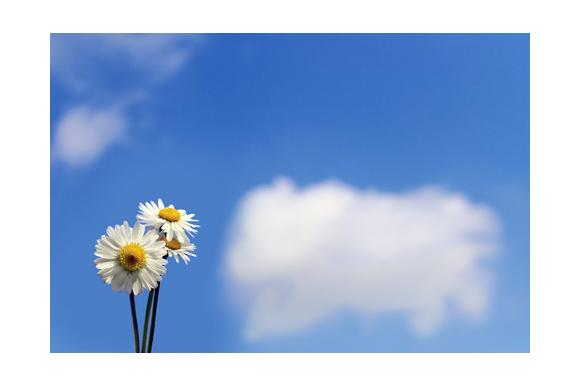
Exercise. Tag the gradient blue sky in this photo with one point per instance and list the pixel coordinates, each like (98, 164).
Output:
(226, 113)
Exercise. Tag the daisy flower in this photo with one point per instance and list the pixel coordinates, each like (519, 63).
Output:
(177, 249)
(130, 259)
(174, 223)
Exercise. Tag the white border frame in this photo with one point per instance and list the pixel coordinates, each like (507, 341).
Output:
(554, 192)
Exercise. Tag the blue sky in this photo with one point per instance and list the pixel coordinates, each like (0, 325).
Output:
(202, 120)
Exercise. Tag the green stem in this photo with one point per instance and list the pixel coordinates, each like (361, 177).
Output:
(154, 317)
(135, 325)
(146, 322)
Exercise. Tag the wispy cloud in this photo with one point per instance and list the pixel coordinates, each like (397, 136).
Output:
(297, 256)
(88, 63)
(102, 72)
(84, 133)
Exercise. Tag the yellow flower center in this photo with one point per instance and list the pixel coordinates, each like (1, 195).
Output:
(170, 214)
(132, 257)
(173, 244)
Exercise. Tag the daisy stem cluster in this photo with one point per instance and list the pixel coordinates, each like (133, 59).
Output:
(134, 259)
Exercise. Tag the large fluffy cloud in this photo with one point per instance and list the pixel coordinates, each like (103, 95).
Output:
(296, 256)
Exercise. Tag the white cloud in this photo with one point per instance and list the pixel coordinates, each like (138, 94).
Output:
(297, 256)
(87, 63)
(121, 69)
(159, 55)
(84, 133)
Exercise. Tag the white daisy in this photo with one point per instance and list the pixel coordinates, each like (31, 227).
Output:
(130, 259)
(177, 249)
(174, 223)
